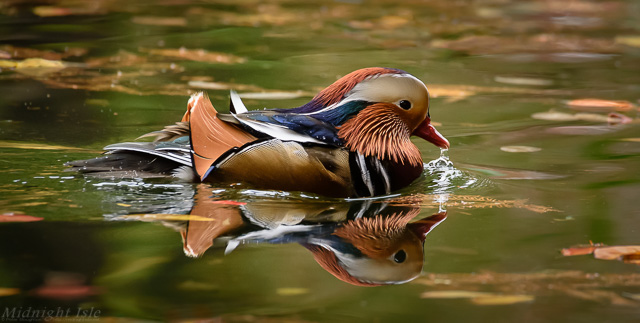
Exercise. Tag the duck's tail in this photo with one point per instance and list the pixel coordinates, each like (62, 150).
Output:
(210, 136)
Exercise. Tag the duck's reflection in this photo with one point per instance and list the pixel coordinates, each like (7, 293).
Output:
(363, 243)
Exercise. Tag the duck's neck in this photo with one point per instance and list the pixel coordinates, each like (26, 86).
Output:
(377, 131)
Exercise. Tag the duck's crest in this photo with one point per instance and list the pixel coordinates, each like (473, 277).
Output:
(335, 92)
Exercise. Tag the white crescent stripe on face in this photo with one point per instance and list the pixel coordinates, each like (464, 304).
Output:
(362, 91)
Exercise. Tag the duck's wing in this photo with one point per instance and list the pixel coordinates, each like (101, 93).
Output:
(281, 125)
(287, 166)
(138, 159)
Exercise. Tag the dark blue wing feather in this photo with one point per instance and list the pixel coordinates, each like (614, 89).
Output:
(303, 124)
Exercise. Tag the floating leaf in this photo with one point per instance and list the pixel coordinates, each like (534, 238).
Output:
(633, 41)
(192, 285)
(502, 299)
(135, 266)
(467, 201)
(511, 174)
(554, 116)
(580, 250)
(8, 291)
(12, 217)
(523, 81)
(65, 292)
(520, 149)
(222, 86)
(292, 291)
(23, 52)
(34, 66)
(53, 11)
(160, 21)
(479, 298)
(611, 118)
(601, 104)
(632, 296)
(616, 118)
(24, 145)
(580, 130)
(199, 55)
(615, 252)
(166, 217)
(64, 286)
(541, 43)
(628, 254)
(275, 95)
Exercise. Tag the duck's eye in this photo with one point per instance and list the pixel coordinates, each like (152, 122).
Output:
(400, 256)
(405, 104)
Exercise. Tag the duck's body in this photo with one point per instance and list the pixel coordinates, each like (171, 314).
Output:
(350, 140)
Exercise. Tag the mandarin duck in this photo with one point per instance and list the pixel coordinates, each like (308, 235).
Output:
(351, 140)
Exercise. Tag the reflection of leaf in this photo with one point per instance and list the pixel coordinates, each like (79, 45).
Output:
(166, 217)
(8, 291)
(199, 55)
(10, 217)
(519, 149)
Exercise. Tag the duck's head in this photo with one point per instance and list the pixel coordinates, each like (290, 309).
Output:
(377, 110)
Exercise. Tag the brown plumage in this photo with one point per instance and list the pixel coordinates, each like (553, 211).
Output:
(378, 131)
(289, 166)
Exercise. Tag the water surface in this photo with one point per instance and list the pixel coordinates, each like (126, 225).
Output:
(529, 172)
